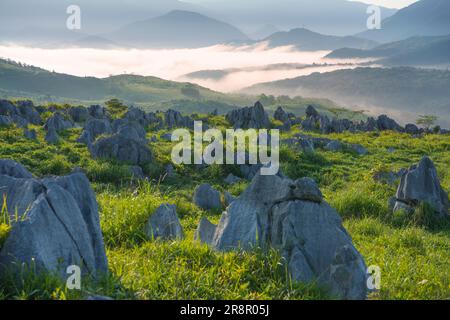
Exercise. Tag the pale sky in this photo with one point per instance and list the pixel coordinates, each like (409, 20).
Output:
(389, 3)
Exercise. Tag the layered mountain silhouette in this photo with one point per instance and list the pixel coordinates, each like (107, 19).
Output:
(423, 18)
(306, 40)
(336, 17)
(413, 51)
(177, 29)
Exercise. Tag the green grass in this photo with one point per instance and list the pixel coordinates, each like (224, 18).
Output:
(411, 250)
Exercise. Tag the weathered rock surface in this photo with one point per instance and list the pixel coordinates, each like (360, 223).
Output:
(30, 134)
(421, 184)
(58, 223)
(174, 119)
(206, 197)
(249, 118)
(58, 122)
(51, 136)
(5, 121)
(123, 149)
(292, 216)
(228, 198)
(232, 179)
(164, 224)
(14, 169)
(205, 231)
(79, 114)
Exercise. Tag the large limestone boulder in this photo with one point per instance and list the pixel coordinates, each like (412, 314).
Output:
(57, 226)
(79, 114)
(58, 122)
(206, 197)
(293, 217)
(123, 149)
(421, 184)
(250, 117)
(174, 119)
(29, 112)
(96, 127)
(164, 224)
(386, 123)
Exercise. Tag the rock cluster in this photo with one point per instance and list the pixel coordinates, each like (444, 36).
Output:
(249, 118)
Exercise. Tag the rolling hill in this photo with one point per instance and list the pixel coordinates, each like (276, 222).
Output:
(177, 29)
(423, 18)
(17, 80)
(403, 92)
(306, 40)
(413, 51)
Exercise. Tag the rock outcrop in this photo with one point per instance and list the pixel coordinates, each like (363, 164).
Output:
(249, 118)
(293, 217)
(207, 198)
(123, 149)
(420, 184)
(205, 231)
(57, 225)
(164, 224)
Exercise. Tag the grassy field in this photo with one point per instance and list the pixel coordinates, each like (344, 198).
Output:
(413, 252)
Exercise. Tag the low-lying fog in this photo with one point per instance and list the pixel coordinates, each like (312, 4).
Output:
(173, 64)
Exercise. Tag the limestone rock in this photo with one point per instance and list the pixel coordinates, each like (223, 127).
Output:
(250, 117)
(207, 198)
(421, 184)
(164, 224)
(205, 231)
(58, 225)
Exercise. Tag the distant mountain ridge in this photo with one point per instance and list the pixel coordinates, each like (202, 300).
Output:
(177, 29)
(307, 40)
(400, 90)
(413, 51)
(423, 18)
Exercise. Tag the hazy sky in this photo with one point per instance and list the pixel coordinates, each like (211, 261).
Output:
(389, 3)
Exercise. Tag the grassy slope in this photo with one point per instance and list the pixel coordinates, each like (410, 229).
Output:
(414, 259)
(150, 93)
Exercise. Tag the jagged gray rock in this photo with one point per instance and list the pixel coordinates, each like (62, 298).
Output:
(421, 184)
(30, 134)
(334, 146)
(123, 149)
(386, 123)
(232, 179)
(5, 121)
(14, 169)
(58, 123)
(58, 224)
(97, 111)
(292, 216)
(51, 136)
(228, 198)
(359, 149)
(78, 114)
(206, 197)
(29, 112)
(205, 231)
(249, 118)
(96, 127)
(412, 129)
(174, 119)
(164, 224)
